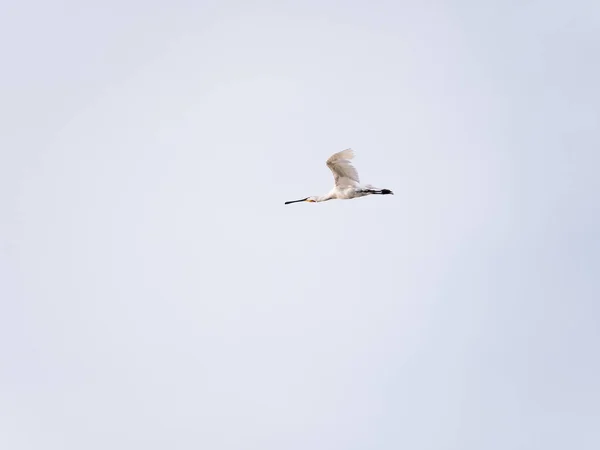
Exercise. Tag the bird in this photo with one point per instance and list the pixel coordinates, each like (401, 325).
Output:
(347, 184)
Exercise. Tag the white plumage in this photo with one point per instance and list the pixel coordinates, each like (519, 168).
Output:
(344, 173)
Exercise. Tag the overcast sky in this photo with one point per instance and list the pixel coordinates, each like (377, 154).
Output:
(155, 293)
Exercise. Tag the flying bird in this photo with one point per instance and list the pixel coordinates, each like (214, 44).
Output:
(347, 183)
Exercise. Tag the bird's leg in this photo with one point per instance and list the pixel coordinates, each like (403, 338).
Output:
(378, 191)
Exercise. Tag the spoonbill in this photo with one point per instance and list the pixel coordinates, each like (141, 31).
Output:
(347, 184)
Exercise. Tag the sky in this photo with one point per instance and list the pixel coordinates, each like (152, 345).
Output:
(156, 293)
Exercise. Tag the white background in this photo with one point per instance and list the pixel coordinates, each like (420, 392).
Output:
(155, 293)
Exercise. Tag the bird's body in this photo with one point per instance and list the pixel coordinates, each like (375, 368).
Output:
(347, 183)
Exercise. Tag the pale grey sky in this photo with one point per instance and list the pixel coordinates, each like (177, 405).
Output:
(157, 294)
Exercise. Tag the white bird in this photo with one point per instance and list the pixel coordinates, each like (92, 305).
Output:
(347, 183)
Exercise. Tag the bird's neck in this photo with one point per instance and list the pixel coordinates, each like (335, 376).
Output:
(324, 198)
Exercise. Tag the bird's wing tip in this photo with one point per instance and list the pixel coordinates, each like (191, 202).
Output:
(344, 154)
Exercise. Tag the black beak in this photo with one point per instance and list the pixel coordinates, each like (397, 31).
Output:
(297, 201)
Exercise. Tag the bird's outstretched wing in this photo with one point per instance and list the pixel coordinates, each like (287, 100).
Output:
(343, 171)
